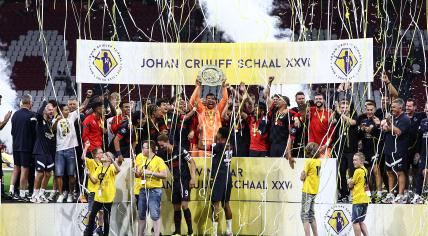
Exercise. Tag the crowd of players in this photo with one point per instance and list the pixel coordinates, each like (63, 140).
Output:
(106, 129)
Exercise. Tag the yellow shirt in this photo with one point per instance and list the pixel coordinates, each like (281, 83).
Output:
(108, 190)
(92, 166)
(156, 164)
(137, 184)
(360, 178)
(312, 170)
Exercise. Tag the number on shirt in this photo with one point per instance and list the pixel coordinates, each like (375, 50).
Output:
(318, 170)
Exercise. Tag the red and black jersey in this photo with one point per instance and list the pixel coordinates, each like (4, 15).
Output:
(281, 126)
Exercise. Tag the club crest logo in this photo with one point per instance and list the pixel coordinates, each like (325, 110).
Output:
(337, 221)
(345, 61)
(105, 62)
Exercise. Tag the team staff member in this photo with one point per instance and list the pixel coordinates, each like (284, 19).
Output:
(104, 178)
(183, 180)
(311, 181)
(396, 130)
(346, 144)
(421, 159)
(369, 136)
(44, 150)
(150, 174)
(360, 199)
(23, 142)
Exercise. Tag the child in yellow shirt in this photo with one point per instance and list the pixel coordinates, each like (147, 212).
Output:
(311, 180)
(104, 180)
(360, 199)
(149, 174)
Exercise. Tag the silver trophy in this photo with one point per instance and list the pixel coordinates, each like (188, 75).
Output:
(212, 79)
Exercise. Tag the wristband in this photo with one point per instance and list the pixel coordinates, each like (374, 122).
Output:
(118, 153)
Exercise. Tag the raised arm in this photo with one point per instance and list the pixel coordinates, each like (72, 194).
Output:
(224, 99)
(266, 92)
(393, 93)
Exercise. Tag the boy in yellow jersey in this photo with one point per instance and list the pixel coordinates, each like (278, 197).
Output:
(104, 179)
(311, 181)
(360, 199)
(149, 174)
(91, 165)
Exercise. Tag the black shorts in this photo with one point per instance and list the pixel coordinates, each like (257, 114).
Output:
(221, 189)
(180, 191)
(369, 159)
(398, 162)
(22, 159)
(44, 162)
(422, 164)
(254, 153)
(277, 149)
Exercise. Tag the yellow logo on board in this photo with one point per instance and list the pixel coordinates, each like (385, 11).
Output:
(105, 62)
(346, 61)
(338, 221)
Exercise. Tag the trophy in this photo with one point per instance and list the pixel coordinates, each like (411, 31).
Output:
(212, 79)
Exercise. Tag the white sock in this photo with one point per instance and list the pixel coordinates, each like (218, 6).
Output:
(35, 193)
(11, 189)
(42, 192)
(215, 226)
(379, 193)
(229, 226)
(22, 193)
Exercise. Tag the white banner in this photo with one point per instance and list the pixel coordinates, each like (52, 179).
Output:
(333, 61)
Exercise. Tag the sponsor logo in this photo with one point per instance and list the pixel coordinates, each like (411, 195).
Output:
(345, 61)
(105, 62)
(337, 221)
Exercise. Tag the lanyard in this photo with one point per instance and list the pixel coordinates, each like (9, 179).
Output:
(102, 175)
(147, 164)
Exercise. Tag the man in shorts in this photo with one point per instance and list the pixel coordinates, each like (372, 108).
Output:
(22, 137)
(65, 157)
(396, 128)
(179, 159)
(44, 151)
(221, 179)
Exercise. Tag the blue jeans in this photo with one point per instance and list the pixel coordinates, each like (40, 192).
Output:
(65, 161)
(359, 212)
(151, 199)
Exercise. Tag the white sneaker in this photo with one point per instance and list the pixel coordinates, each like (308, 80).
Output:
(400, 199)
(70, 198)
(389, 198)
(35, 199)
(60, 198)
(52, 196)
(417, 199)
(43, 199)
